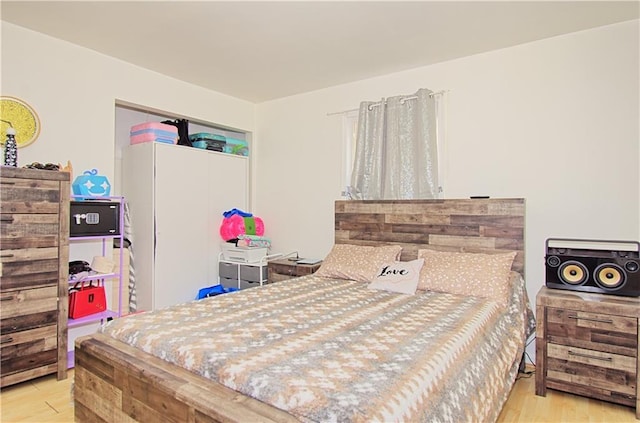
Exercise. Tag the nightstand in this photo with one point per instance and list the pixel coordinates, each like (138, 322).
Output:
(587, 344)
(280, 270)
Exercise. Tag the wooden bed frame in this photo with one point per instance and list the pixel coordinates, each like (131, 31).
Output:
(115, 382)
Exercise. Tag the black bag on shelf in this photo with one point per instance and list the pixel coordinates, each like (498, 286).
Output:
(78, 266)
(183, 130)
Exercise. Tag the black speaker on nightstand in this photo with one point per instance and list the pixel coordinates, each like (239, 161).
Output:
(605, 267)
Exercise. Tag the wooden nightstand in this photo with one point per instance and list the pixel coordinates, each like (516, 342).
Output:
(280, 270)
(587, 344)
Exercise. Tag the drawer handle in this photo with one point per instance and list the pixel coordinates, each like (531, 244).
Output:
(592, 319)
(609, 359)
(6, 255)
(9, 298)
(7, 340)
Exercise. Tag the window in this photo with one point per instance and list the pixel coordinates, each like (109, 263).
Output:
(349, 136)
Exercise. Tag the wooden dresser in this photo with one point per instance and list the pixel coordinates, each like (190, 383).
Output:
(587, 344)
(34, 257)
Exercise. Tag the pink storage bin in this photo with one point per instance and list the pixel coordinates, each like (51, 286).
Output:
(151, 137)
(156, 126)
(153, 132)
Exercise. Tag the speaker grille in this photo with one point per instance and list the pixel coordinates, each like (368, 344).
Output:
(609, 276)
(573, 272)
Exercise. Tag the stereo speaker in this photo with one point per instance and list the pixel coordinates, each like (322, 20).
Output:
(605, 267)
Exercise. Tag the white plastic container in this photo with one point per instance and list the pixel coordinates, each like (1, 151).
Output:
(243, 254)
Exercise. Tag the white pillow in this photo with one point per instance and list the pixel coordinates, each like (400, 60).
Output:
(399, 276)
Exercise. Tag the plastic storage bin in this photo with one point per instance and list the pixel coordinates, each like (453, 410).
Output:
(153, 132)
(243, 254)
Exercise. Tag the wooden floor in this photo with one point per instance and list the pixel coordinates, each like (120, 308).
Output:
(47, 400)
(41, 400)
(524, 405)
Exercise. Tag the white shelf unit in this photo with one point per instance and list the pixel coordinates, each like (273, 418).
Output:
(106, 247)
(241, 274)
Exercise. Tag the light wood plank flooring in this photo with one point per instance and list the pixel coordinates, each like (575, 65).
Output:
(40, 400)
(46, 400)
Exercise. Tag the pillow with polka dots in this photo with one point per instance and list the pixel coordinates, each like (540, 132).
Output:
(475, 274)
(357, 262)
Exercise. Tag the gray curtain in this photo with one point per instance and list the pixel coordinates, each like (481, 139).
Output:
(396, 149)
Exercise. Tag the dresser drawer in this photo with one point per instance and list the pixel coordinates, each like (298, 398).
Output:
(22, 195)
(28, 346)
(29, 230)
(607, 376)
(28, 301)
(29, 267)
(228, 270)
(593, 331)
(253, 273)
(44, 360)
(29, 341)
(12, 325)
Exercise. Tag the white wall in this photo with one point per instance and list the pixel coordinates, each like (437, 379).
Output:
(74, 91)
(554, 121)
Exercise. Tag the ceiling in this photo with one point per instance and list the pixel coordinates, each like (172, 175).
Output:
(264, 50)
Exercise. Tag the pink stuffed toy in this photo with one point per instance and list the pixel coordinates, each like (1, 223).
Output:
(237, 222)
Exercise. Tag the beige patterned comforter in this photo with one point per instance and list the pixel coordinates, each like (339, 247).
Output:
(333, 350)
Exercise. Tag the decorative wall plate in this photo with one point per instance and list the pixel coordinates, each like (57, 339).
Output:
(23, 118)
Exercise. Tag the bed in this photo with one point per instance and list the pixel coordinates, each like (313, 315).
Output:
(327, 346)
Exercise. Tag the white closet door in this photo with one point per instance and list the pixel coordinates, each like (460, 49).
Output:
(192, 190)
(181, 222)
(229, 176)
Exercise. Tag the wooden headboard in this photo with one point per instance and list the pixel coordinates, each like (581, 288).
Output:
(466, 225)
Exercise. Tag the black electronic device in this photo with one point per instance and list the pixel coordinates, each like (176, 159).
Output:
(605, 267)
(94, 218)
(78, 266)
